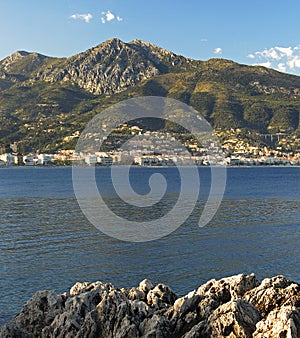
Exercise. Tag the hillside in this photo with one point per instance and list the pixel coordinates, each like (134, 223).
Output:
(44, 101)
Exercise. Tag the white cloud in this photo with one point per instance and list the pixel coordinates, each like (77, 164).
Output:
(218, 50)
(109, 16)
(275, 53)
(285, 59)
(281, 67)
(267, 64)
(85, 17)
(294, 62)
(285, 51)
(269, 54)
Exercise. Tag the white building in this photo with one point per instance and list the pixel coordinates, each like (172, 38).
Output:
(105, 161)
(9, 159)
(91, 159)
(30, 161)
(44, 159)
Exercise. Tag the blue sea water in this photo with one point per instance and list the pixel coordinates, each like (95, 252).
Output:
(47, 243)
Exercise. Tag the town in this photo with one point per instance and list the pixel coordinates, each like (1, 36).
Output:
(154, 148)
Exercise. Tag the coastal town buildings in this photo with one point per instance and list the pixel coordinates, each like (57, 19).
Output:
(161, 149)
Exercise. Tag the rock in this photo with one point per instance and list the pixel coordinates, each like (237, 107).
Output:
(114, 311)
(273, 293)
(236, 306)
(78, 311)
(281, 322)
(36, 314)
(140, 309)
(113, 66)
(161, 296)
(183, 314)
(156, 326)
(187, 303)
(196, 331)
(145, 285)
(136, 294)
(236, 318)
(197, 306)
(77, 288)
(230, 287)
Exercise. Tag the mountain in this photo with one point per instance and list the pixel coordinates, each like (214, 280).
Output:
(44, 101)
(21, 66)
(114, 66)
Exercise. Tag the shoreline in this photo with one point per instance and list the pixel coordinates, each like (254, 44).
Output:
(237, 306)
(154, 167)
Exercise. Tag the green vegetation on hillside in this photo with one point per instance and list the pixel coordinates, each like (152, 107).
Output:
(46, 112)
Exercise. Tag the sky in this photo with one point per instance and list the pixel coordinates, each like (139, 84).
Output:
(246, 31)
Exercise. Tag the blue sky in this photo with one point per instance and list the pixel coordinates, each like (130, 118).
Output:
(250, 32)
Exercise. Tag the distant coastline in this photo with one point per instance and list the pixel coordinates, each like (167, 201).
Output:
(153, 167)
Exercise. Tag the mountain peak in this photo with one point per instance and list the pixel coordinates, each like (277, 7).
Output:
(112, 43)
(150, 47)
(20, 53)
(15, 57)
(22, 62)
(143, 43)
(114, 65)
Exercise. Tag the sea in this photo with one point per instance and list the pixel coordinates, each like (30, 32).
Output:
(46, 241)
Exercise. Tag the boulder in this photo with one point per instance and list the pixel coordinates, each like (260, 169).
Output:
(280, 322)
(161, 296)
(38, 313)
(231, 288)
(145, 285)
(236, 318)
(136, 294)
(237, 306)
(273, 293)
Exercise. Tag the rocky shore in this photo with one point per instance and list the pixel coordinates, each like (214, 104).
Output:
(238, 306)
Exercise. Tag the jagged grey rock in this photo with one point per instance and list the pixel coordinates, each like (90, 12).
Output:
(146, 285)
(161, 296)
(114, 65)
(238, 306)
(231, 287)
(280, 322)
(235, 318)
(273, 293)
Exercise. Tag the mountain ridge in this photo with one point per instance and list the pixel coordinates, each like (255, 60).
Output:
(45, 99)
(113, 66)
